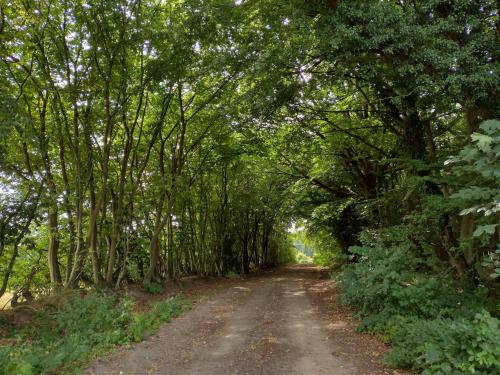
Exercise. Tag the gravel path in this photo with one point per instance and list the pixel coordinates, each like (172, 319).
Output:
(277, 323)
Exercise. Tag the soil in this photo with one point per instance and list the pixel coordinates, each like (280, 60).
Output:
(285, 321)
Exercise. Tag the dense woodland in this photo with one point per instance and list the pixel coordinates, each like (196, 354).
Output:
(145, 140)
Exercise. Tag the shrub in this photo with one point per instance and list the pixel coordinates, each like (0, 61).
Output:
(95, 320)
(287, 254)
(153, 288)
(83, 327)
(449, 346)
(436, 324)
(325, 258)
(303, 258)
(388, 281)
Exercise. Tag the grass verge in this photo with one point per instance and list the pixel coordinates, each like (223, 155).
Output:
(66, 340)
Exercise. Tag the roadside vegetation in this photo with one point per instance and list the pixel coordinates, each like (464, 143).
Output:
(145, 141)
(84, 327)
(439, 310)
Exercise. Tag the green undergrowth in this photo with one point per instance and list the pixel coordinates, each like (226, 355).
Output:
(437, 325)
(86, 327)
(153, 288)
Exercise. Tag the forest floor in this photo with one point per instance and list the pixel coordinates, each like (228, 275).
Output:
(284, 321)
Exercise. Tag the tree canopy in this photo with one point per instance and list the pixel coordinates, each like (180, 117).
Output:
(143, 140)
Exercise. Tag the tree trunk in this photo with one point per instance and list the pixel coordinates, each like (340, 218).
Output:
(55, 274)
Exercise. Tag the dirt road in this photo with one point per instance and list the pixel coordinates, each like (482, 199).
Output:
(282, 322)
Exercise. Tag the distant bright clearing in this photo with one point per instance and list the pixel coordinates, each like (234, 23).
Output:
(294, 228)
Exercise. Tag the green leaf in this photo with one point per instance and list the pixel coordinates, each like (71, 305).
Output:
(490, 126)
(484, 229)
(483, 141)
(433, 354)
(475, 192)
